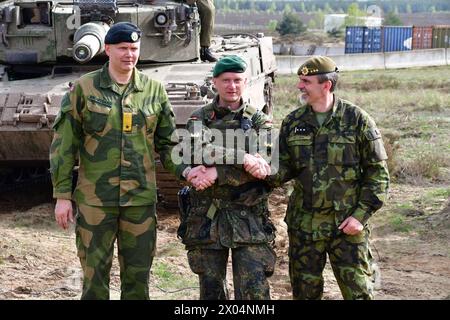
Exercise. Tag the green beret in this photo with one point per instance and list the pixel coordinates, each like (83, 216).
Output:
(123, 32)
(317, 65)
(229, 64)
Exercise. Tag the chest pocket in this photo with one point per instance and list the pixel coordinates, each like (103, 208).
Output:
(95, 117)
(300, 148)
(150, 114)
(342, 150)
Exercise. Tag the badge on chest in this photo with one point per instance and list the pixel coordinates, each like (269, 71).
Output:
(127, 121)
(301, 130)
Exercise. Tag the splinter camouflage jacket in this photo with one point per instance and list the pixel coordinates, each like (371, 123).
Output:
(339, 169)
(114, 136)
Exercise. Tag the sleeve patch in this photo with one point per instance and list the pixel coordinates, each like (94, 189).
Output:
(373, 134)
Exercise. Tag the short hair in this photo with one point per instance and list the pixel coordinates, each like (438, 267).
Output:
(331, 76)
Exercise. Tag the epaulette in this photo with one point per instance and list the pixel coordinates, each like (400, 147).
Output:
(249, 111)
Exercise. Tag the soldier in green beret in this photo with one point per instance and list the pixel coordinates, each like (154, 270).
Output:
(112, 120)
(228, 209)
(334, 152)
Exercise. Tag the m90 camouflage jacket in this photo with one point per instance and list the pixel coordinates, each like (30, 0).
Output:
(115, 136)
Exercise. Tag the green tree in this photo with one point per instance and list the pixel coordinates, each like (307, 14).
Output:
(272, 25)
(319, 19)
(408, 8)
(392, 19)
(287, 8)
(354, 15)
(312, 24)
(327, 8)
(302, 7)
(290, 24)
(252, 6)
(272, 8)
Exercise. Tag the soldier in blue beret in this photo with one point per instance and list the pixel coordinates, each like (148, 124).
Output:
(123, 32)
(113, 119)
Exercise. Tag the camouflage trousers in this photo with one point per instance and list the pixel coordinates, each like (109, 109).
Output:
(252, 265)
(96, 229)
(350, 259)
(207, 13)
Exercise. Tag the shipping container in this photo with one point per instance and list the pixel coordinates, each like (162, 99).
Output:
(354, 39)
(362, 39)
(441, 37)
(422, 38)
(397, 38)
(372, 40)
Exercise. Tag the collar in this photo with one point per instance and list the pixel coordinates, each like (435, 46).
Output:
(107, 82)
(310, 116)
(222, 111)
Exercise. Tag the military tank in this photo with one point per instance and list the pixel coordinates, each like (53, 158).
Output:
(46, 45)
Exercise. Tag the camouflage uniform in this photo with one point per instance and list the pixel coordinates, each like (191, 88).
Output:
(114, 133)
(339, 170)
(231, 214)
(207, 13)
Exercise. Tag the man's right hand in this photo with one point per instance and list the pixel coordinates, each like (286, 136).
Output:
(63, 212)
(201, 177)
(257, 166)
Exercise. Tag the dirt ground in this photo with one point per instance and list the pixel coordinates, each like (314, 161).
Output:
(38, 260)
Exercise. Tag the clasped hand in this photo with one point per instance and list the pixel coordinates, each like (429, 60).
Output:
(202, 177)
(256, 165)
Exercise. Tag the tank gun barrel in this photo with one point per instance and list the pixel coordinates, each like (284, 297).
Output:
(89, 41)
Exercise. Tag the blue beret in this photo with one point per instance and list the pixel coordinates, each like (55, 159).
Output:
(229, 64)
(123, 32)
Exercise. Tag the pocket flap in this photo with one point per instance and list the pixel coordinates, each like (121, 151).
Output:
(300, 140)
(95, 107)
(342, 139)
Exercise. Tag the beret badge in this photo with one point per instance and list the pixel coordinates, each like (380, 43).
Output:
(134, 36)
(305, 71)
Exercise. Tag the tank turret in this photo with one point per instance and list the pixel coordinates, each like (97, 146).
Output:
(46, 45)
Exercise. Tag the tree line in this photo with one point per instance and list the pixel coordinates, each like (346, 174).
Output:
(332, 6)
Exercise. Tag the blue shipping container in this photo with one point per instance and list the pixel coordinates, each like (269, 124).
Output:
(362, 40)
(397, 38)
(372, 40)
(354, 39)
